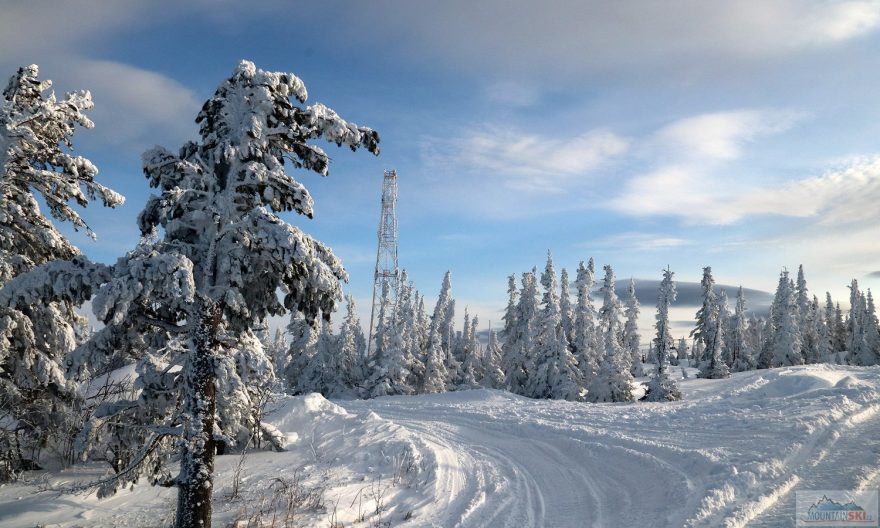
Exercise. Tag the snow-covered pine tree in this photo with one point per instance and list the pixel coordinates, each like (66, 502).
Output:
(613, 382)
(278, 350)
(858, 347)
(352, 349)
(555, 371)
(510, 347)
(303, 340)
(872, 327)
(825, 325)
(494, 376)
(708, 330)
(436, 377)
(806, 320)
(36, 159)
(519, 364)
(787, 349)
(631, 337)
(322, 371)
(742, 356)
(586, 342)
(566, 312)
(662, 387)
(223, 256)
(725, 321)
(383, 322)
(681, 352)
(472, 366)
(840, 330)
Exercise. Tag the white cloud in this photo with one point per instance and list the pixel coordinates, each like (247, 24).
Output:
(721, 135)
(688, 174)
(641, 242)
(574, 38)
(522, 160)
(134, 108)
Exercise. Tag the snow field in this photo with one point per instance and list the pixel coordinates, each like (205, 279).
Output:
(732, 453)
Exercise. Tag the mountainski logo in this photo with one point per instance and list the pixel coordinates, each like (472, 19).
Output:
(837, 508)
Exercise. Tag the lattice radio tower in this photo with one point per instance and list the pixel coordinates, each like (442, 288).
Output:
(386, 253)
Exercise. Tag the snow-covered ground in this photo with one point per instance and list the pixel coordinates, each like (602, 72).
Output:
(731, 453)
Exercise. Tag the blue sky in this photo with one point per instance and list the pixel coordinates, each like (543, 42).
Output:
(742, 135)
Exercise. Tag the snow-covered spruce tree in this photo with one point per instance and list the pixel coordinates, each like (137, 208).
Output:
(724, 324)
(36, 159)
(320, 373)
(742, 356)
(806, 321)
(493, 377)
(518, 361)
(681, 352)
(586, 342)
(708, 330)
(303, 340)
(872, 327)
(631, 337)
(661, 387)
(613, 383)
(840, 329)
(825, 325)
(352, 347)
(436, 377)
(509, 333)
(565, 309)
(395, 364)
(472, 366)
(858, 342)
(555, 373)
(787, 349)
(223, 256)
(277, 350)
(444, 313)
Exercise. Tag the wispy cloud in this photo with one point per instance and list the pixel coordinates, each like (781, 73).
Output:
(633, 241)
(570, 39)
(134, 108)
(687, 172)
(525, 160)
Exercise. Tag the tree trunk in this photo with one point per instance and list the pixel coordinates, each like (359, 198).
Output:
(196, 481)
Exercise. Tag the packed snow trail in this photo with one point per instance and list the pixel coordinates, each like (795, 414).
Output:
(733, 452)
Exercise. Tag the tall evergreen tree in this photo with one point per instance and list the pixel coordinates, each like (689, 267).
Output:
(613, 383)
(223, 255)
(566, 312)
(37, 161)
(555, 372)
(787, 349)
(708, 330)
(661, 387)
(742, 354)
(631, 338)
(586, 343)
(518, 361)
(494, 376)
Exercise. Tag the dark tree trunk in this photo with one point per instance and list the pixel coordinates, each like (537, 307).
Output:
(196, 481)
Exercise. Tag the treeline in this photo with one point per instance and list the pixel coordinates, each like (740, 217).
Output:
(557, 345)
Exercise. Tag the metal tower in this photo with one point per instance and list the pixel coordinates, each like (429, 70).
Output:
(386, 253)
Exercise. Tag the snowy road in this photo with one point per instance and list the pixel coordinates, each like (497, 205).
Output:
(733, 453)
